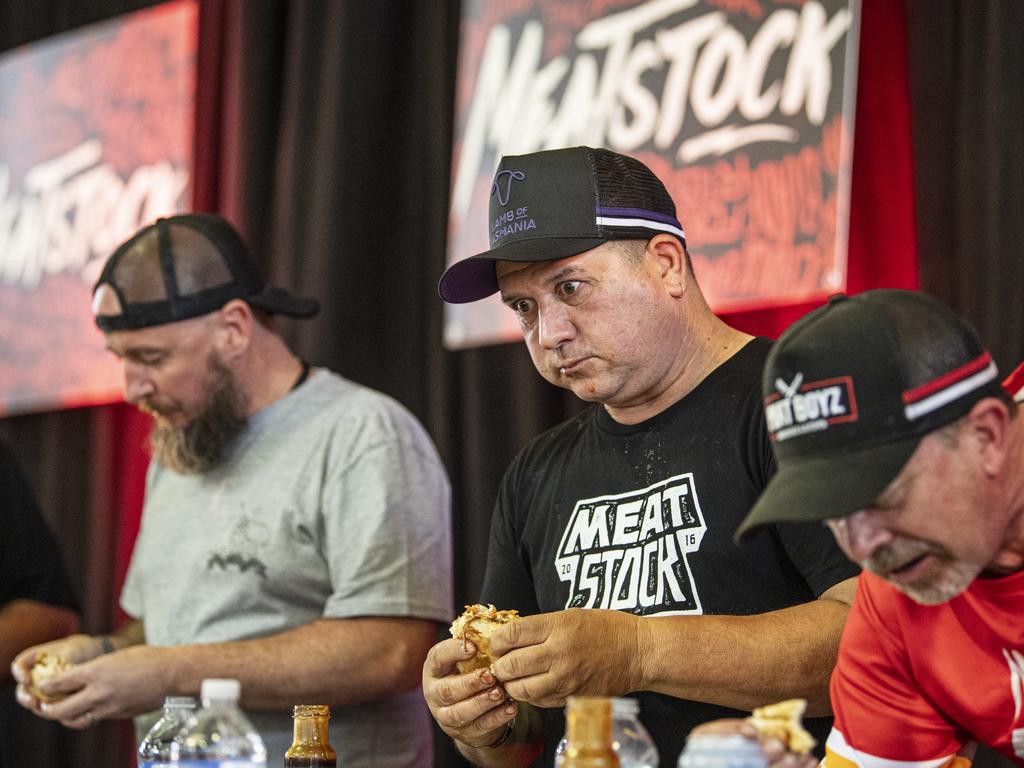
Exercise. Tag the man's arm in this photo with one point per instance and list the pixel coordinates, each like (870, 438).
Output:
(334, 661)
(748, 661)
(734, 661)
(24, 623)
(132, 633)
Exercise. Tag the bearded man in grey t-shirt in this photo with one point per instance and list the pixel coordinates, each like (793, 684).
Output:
(296, 528)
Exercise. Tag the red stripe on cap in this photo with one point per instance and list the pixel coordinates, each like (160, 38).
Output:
(947, 379)
(1014, 383)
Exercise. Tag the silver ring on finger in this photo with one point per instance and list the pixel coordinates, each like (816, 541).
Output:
(90, 721)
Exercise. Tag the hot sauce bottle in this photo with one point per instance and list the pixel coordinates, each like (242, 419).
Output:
(589, 733)
(311, 747)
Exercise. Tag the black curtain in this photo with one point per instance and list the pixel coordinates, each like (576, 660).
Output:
(967, 103)
(324, 132)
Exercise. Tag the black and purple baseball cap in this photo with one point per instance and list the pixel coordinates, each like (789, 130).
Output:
(852, 388)
(557, 203)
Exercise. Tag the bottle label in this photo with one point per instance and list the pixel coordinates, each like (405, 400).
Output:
(228, 763)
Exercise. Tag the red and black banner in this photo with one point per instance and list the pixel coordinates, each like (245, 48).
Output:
(96, 131)
(744, 108)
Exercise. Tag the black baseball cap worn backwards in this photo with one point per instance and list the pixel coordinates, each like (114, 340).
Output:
(557, 203)
(185, 266)
(849, 392)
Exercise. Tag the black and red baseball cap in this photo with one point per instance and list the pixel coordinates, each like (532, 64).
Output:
(184, 266)
(557, 203)
(849, 392)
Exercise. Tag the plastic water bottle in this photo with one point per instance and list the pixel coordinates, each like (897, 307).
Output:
(714, 751)
(218, 734)
(155, 749)
(631, 741)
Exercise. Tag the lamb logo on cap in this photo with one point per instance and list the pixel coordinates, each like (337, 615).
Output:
(798, 408)
(506, 177)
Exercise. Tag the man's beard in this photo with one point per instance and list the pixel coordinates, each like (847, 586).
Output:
(201, 445)
(952, 578)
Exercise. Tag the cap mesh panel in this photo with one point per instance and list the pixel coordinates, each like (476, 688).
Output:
(930, 346)
(198, 264)
(137, 274)
(623, 182)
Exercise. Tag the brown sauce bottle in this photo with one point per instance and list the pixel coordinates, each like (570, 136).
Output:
(589, 733)
(311, 747)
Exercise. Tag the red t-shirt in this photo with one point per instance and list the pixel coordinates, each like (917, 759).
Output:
(918, 685)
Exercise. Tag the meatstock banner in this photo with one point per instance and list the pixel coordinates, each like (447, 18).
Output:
(744, 108)
(96, 131)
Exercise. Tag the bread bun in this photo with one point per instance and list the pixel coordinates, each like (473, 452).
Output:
(476, 624)
(783, 722)
(47, 667)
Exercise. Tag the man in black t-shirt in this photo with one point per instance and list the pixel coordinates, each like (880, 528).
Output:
(612, 533)
(36, 604)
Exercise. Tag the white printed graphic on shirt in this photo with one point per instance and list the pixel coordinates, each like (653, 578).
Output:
(1016, 663)
(628, 551)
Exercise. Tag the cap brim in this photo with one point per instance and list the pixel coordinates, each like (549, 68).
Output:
(279, 302)
(822, 488)
(474, 278)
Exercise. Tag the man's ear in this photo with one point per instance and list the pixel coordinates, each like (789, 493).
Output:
(670, 258)
(989, 424)
(235, 323)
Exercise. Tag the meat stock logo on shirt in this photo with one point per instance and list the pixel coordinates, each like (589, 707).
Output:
(628, 551)
(742, 107)
(96, 131)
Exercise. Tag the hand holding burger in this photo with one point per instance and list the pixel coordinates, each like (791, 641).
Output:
(476, 624)
(47, 667)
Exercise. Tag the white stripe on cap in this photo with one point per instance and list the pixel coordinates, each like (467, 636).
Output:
(950, 393)
(616, 221)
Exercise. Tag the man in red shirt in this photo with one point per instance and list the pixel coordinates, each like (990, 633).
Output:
(889, 423)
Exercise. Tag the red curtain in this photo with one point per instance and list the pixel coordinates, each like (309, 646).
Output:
(128, 463)
(882, 235)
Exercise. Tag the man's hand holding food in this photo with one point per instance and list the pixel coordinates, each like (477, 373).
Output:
(35, 667)
(461, 691)
(544, 659)
(78, 682)
(514, 662)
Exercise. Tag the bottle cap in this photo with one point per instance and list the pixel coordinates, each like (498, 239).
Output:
(625, 706)
(311, 710)
(220, 690)
(734, 751)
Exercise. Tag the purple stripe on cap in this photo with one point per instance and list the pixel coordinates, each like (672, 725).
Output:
(638, 213)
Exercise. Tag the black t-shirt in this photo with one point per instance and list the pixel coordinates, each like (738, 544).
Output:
(640, 518)
(30, 569)
(30, 565)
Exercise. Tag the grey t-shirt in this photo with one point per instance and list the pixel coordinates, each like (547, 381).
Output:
(332, 503)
